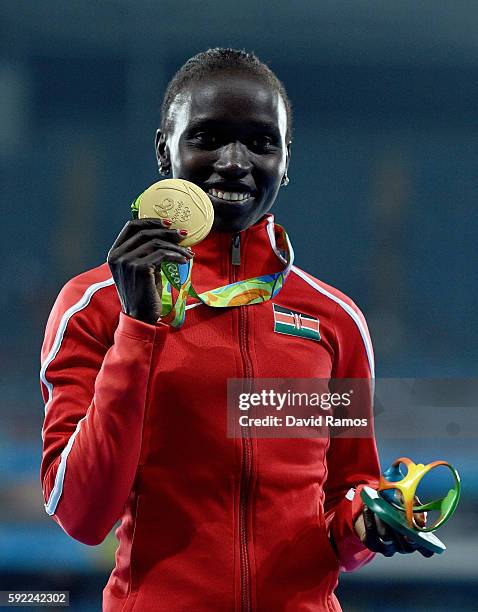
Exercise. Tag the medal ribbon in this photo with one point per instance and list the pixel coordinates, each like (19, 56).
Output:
(241, 293)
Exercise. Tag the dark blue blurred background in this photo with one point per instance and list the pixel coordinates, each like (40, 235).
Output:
(381, 204)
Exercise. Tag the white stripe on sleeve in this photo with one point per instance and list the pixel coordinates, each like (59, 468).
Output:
(57, 490)
(349, 310)
(82, 303)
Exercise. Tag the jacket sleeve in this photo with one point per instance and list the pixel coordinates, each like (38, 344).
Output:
(351, 462)
(95, 393)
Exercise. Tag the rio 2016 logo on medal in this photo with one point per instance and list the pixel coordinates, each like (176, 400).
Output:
(180, 212)
(184, 203)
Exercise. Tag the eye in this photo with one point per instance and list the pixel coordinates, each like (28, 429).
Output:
(206, 139)
(262, 143)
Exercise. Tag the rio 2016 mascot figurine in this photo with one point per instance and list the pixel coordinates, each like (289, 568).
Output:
(393, 502)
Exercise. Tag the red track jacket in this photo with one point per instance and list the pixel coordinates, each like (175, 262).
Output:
(135, 429)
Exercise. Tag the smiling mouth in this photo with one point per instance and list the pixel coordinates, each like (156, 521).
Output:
(230, 196)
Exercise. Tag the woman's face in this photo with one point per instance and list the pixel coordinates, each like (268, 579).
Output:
(228, 136)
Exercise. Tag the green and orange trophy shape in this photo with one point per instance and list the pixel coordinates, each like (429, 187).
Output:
(395, 501)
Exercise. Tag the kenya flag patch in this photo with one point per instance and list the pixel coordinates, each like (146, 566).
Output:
(295, 323)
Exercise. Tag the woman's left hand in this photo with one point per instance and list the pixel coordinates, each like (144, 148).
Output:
(381, 538)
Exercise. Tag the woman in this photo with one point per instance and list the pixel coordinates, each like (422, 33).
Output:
(135, 425)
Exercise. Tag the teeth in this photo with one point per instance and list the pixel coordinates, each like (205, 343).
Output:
(235, 196)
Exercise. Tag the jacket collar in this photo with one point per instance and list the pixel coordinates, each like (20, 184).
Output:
(258, 255)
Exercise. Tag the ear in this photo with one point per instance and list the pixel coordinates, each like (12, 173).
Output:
(162, 151)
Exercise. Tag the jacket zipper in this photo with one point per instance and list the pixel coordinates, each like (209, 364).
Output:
(236, 254)
(246, 466)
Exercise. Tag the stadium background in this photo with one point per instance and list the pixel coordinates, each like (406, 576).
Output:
(382, 204)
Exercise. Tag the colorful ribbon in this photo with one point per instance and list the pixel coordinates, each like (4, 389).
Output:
(241, 293)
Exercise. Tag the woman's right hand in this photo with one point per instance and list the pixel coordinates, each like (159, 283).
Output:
(135, 261)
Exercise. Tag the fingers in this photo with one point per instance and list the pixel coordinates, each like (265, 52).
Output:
(152, 246)
(146, 242)
(131, 227)
(373, 540)
(136, 225)
(387, 537)
(425, 552)
(157, 237)
(405, 545)
(413, 546)
(382, 538)
(158, 257)
(396, 541)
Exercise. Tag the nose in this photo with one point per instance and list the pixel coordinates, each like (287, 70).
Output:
(233, 160)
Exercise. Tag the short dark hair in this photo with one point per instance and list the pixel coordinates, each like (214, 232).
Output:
(220, 60)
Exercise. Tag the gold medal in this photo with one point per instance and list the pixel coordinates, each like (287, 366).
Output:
(184, 203)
